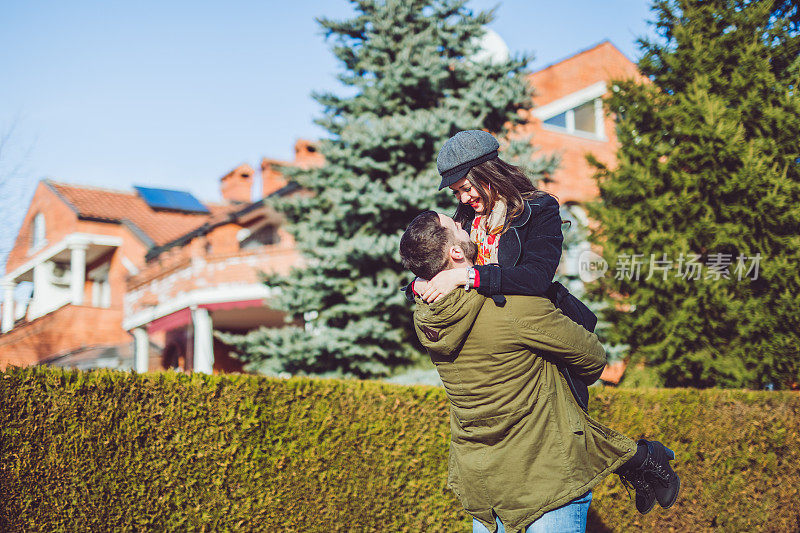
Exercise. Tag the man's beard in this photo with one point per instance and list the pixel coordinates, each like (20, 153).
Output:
(470, 250)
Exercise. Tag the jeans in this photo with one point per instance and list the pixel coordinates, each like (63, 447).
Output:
(569, 518)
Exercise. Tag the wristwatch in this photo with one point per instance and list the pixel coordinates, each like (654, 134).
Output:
(470, 279)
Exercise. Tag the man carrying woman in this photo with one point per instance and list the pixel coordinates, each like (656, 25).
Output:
(524, 454)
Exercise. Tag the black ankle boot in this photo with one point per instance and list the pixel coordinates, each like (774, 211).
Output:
(645, 497)
(659, 475)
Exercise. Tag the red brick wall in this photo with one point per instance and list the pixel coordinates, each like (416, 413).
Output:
(59, 219)
(223, 239)
(573, 181)
(600, 63)
(67, 328)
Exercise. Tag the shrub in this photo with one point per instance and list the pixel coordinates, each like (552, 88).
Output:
(107, 450)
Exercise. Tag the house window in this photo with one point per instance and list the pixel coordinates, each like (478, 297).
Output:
(585, 119)
(37, 236)
(559, 121)
(263, 236)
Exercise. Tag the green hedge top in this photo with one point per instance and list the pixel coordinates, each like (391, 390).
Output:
(108, 450)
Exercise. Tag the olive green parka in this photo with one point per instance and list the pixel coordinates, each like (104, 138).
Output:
(520, 445)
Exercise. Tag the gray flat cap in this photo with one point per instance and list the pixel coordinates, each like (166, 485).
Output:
(463, 151)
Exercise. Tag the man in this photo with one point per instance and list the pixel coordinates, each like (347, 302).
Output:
(523, 456)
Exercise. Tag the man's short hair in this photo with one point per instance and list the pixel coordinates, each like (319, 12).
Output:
(423, 247)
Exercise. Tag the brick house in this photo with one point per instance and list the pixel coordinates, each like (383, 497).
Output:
(568, 117)
(140, 279)
(155, 267)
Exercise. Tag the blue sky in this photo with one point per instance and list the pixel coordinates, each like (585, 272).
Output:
(177, 93)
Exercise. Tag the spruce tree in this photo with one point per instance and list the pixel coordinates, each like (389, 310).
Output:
(413, 79)
(708, 179)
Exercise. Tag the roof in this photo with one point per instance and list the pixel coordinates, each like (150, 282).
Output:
(231, 214)
(156, 226)
(602, 44)
(590, 68)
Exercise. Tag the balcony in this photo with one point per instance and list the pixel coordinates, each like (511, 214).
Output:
(227, 274)
(65, 329)
(58, 275)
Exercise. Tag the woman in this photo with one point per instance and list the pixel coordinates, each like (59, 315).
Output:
(517, 229)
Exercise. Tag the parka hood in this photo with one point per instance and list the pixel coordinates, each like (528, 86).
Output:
(443, 326)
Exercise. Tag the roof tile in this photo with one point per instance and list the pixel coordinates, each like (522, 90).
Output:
(115, 206)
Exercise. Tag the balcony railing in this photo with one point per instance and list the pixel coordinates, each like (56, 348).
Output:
(67, 328)
(260, 258)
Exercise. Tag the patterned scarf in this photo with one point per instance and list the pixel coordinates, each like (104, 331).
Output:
(485, 232)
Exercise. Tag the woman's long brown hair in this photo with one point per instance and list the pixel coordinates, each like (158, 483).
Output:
(503, 180)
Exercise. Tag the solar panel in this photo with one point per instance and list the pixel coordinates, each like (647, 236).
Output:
(172, 200)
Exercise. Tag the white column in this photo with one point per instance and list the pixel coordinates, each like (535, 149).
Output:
(141, 350)
(570, 120)
(599, 118)
(8, 305)
(203, 341)
(77, 265)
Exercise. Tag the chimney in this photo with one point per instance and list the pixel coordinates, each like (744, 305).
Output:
(306, 154)
(272, 178)
(237, 185)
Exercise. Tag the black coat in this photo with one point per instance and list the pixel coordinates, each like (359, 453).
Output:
(528, 252)
(528, 255)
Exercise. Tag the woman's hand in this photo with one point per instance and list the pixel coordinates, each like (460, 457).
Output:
(441, 284)
(419, 286)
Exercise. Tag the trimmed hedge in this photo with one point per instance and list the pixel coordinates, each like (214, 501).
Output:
(107, 450)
